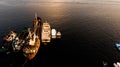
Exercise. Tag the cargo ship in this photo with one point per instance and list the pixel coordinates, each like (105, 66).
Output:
(32, 43)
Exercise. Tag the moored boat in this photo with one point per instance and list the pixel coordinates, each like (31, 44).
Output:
(30, 51)
(58, 35)
(46, 33)
(32, 42)
(53, 33)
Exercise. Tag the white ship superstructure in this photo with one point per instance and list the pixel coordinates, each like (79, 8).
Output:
(46, 32)
(53, 33)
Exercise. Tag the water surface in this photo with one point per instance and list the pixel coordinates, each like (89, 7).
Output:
(89, 32)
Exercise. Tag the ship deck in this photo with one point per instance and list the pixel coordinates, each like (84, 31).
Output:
(30, 56)
(46, 31)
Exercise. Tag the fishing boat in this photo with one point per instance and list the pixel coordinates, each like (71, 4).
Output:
(58, 34)
(117, 46)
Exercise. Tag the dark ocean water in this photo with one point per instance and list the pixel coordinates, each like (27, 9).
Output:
(89, 32)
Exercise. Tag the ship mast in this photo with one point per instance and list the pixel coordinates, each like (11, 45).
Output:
(35, 22)
(35, 16)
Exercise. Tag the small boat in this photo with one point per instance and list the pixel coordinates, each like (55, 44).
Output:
(53, 32)
(58, 35)
(118, 46)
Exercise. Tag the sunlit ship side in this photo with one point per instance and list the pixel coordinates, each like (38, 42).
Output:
(46, 33)
(32, 44)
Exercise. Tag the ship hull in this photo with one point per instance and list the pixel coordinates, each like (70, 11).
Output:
(30, 56)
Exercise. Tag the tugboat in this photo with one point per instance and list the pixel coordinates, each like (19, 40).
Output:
(58, 35)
